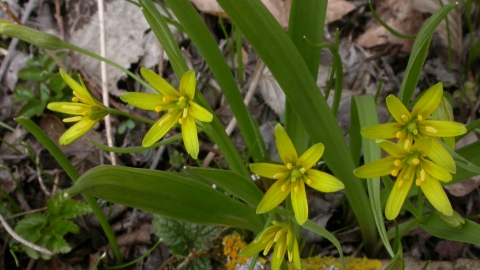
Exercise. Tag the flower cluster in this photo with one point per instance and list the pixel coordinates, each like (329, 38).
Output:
(87, 110)
(280, 236)
(418, 154)
(293, 175)
(232, 245)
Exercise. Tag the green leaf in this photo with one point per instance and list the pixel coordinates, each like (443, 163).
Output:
(230, 181)
(32, 108)
(127, 150)
(468, 233)
(181, 237)
(43, 92)
(58, 245)
(202, 263)
(32, 74)
(62, 227)
(311, 226)
(57, 84)
(23, 93)
(174, 195)
(62, 207)
(29, 228)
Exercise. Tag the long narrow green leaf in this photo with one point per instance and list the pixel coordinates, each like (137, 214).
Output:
(311, 226)
(367, 114)
(174, 195)
(470, 153)
(468, 233)
(215, 130)
(419, 52)
(285, 62)
(73, 174)
(230, 181)
(202, 38)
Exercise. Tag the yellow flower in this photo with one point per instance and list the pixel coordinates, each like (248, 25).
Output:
(293, 175)
(282, 236)
(407, 166)
(87, 109)
(410, 126)
(179, 104)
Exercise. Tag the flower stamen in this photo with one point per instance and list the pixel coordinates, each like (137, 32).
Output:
(400, 183)
(430, 129)
(158, 109)
(278, 175)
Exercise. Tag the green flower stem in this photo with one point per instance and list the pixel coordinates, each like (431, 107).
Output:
(200, 35)
(139, 119)
(384, 24)
(281, 56)
(215, 129)
(73, 174)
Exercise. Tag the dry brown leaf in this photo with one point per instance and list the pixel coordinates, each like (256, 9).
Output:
(271, 92)
(449, 249)
(280, 9)
(399, 15)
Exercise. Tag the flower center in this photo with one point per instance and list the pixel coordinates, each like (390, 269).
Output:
(295, 172)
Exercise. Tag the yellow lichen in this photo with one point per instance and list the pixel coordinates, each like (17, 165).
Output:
(232, 245)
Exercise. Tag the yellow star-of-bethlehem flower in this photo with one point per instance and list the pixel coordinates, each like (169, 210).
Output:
(293, 175)
(179, 106)
(410, 126)
(87, 109)
(409, 166)
(282, 236)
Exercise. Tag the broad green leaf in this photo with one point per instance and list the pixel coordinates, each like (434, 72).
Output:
(232, 182)
(32, 108)
(23, 93)
(60, 206)
(57, 244)
(57, 84)
(29, 228)
(468, 163)
(32, 74)
(174, 195)
(62, 227)
(468, 233)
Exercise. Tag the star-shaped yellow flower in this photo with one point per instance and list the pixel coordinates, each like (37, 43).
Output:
(293, 175)
(87, 109)
(410, 126)
(409, 166)
(282, 236)
(179, 106)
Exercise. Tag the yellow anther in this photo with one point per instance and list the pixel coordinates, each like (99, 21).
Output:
(85, 113)
(422, 174)
(185, 113)
(416, 161)
(309, 181)
(166, 99)
(420, 118)
(181, 121)
(397, 163)
(302, 170)
(278, 175)
(284, 188)
(404, 117)
(406, 144)
(398, 135)
(296, 189)
(167, 117)
(158, 108)
(75, 99)
(72, 119)
(394, 172)
(400, 183)
(182, 98)
(430, 129)
(289, 166)
(418, 182)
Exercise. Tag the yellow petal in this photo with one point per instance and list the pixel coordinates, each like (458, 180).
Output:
(429, 102)
(274, 196)
(144, 101)
(69, 107)
(398, 110)
(187, 84)
(80, 90)
(436, 196)
(385, 131)
(441, 156)
(311, 156)
(162, 86)
(397, 197)
(322, 181)
(190, 137)
(441, 128)
(269, 170)
(277, 256)
(198, 112)
(436, 171)
(253, 248)
(296, 255)
(424, 146)
(157, 131)
(299, 202)
(393, 149)
(285, 147)
(77, 130)
(376, 168)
